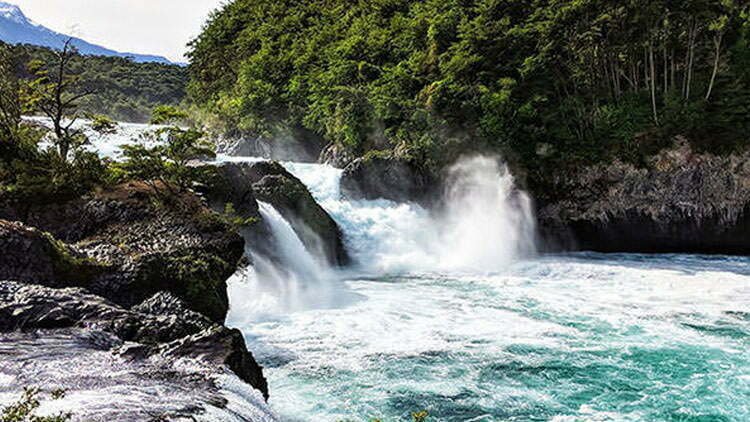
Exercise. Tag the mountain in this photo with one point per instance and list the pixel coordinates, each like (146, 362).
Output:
(16, 28)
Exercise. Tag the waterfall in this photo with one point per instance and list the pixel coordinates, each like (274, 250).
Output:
(292, 279)
(485, 224)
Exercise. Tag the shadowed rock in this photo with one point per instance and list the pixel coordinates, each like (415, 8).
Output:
(272, 183)
(383, 176)
(681, 201)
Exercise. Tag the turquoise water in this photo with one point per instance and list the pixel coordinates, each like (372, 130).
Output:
(563, 338)
(453, 313)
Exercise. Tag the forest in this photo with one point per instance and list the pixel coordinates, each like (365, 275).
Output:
(549, 83)
(125, 90)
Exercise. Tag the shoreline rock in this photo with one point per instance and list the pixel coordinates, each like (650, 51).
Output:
(270, 182)
(381, 176)
(681, 202)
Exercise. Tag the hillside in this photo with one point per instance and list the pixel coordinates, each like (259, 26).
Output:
(552, 84)
(16, 28)
(122, 89)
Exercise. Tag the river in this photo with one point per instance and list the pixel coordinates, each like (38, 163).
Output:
(457, 315)
(455, 312)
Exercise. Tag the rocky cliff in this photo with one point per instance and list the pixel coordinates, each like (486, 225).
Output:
(680, 201)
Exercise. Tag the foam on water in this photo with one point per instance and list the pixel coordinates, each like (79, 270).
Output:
(559, 338)
(453, 319)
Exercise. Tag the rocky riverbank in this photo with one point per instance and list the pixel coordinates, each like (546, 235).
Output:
(146, 275)
(680, 201)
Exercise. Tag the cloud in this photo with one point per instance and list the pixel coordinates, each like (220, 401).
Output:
(161, 27)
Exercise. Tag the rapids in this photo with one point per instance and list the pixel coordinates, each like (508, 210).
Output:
(453, 312)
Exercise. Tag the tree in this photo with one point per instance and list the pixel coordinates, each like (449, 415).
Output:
(10, 100)
(171, 162)
(56, 92)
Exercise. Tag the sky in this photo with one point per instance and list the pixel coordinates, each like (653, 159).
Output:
(161, 27)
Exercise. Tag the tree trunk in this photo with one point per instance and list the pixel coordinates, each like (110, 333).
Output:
(653, 81)
(717, 44)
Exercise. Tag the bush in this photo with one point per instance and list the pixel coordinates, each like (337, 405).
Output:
(23, 410)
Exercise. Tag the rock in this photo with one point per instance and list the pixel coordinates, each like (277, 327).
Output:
(336, 156)
(232, 187)
(144, 248)
(680, 202)
(161, 325)
(383, 176)
(273, 184)
(287, 144)
(221, 346)
(30, 254)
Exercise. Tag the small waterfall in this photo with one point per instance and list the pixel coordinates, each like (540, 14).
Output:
(290, 280)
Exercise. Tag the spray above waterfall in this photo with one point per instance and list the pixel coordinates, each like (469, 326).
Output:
(487, 221)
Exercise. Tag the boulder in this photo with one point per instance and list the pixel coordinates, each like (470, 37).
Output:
(383, 176)
(681, 201)
(273, 184)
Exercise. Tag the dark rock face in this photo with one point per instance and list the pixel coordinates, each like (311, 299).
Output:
(139, 248)
(681, 202)
(388, 178)
(272, 183)
(32, 255)
(161, 325)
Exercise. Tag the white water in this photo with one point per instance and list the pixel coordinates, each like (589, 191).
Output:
(109, 145)
(102, 386)
(452, 312)
(456, 315)
(486, 224)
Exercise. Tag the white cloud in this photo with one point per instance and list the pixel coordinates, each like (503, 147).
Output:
(161, 27)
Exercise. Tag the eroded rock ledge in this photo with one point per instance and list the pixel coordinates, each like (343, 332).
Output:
(682, 201)
(270, 182)
(150, 274)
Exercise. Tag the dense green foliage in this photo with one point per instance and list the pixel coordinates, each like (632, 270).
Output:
(125, 90)
(550, 81)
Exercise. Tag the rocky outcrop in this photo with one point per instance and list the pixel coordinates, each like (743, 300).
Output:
(162, 326)
(287, 144)
(682, 201)
(383, 176)
(270, 182)
(146, 268)
(139, 245)
(29, 254)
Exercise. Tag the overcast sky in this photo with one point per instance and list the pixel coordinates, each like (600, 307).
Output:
(160, 27)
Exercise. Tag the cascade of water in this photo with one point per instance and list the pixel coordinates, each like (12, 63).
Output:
(293, 279)
(486, 222)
